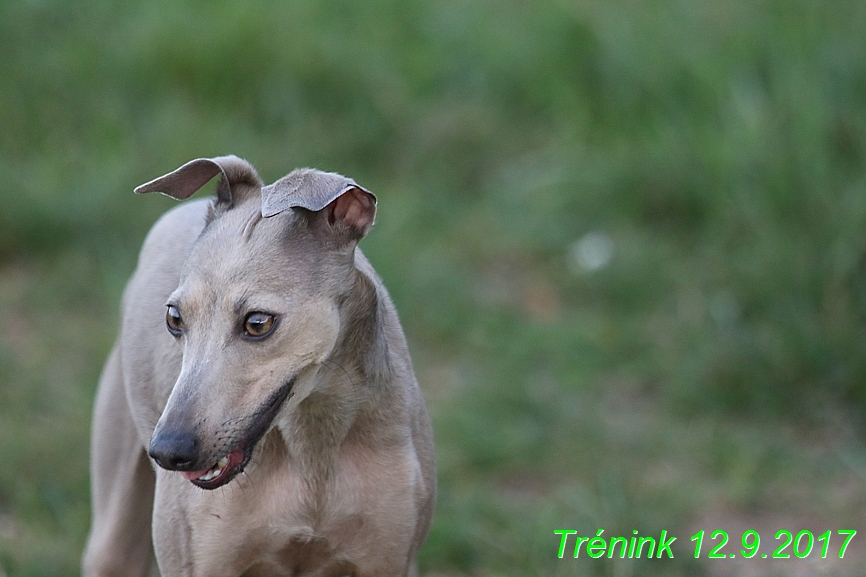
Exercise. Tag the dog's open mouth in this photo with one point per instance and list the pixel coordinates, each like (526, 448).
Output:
(221, 473)
(229, 466)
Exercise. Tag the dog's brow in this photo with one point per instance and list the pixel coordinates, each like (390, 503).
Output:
(241, 304)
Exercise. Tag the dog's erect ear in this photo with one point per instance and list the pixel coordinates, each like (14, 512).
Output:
(346, 209)
(238, 178)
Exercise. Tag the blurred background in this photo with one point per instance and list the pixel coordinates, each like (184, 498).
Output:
(627, 241)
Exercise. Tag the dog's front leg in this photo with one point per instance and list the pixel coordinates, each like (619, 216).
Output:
(171, 529)
(122, 486)
(190, 538)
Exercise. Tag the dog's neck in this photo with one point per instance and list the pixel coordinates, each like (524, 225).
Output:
(352, 402)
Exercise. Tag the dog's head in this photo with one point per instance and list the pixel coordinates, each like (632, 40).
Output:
(259, 307)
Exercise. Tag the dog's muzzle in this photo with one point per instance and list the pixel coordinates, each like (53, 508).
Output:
(175, 450)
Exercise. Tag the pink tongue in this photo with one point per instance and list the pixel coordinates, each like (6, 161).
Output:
(193, 475)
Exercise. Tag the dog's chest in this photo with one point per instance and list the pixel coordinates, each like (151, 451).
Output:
(362, 519)
(303, 556)
(277, 539)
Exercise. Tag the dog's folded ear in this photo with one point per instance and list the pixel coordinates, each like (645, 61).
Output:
(343, 208)
(238, 178)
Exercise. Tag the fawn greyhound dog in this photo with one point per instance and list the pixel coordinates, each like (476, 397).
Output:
(259, 414)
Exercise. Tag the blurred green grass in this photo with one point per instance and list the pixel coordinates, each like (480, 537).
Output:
(708, 157)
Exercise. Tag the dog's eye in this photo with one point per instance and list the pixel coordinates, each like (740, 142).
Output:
(258, 324)
(173, 321)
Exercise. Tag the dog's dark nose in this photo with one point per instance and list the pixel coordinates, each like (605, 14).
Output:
(174, 451)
